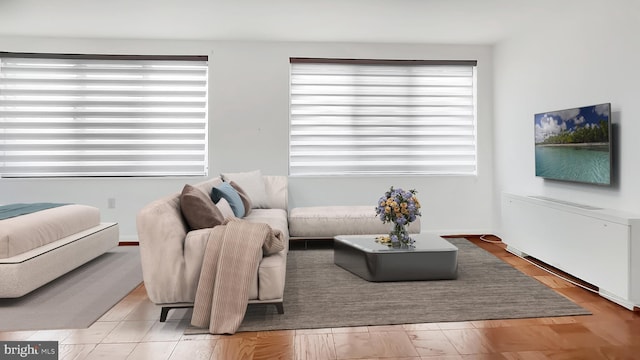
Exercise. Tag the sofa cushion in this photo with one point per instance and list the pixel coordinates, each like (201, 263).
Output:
(253, 184)
(226, 191)
(329, 221)
(246, 201)
(274, 243)
(276, 218)
(198, 209)
(277, 191)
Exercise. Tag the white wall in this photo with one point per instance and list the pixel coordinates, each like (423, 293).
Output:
(248, 129)
(588, 57)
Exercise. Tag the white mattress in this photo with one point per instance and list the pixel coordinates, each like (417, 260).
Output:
(27, 232)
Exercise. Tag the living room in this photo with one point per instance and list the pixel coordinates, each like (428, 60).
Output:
(531, 58)
(514, 75)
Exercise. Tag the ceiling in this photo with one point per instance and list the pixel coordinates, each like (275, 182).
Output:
(407, 21)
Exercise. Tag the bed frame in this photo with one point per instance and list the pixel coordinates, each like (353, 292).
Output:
(26, 272)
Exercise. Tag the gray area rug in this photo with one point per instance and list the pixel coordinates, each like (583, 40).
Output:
(319, 294)
(77, 299)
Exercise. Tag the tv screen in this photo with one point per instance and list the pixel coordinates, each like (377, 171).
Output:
(574, 144)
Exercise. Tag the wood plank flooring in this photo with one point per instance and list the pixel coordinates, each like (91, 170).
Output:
(131, 330)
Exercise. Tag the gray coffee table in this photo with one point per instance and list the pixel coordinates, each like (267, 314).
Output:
(431, 258)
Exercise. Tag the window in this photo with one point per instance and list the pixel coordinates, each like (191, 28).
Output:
(382, 117)
(85, 115)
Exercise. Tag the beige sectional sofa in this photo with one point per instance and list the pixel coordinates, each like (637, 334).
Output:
(172, 255)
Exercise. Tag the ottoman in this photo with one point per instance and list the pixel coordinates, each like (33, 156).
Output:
(325, 222)
(431, 258)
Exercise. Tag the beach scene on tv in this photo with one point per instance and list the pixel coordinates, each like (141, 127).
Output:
(573, 144)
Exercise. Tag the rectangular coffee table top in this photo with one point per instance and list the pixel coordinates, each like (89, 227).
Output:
(423, 243)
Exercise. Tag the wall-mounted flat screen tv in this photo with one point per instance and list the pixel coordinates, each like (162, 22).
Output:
(574, 144)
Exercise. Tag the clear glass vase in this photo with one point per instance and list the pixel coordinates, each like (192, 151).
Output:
(400, 236)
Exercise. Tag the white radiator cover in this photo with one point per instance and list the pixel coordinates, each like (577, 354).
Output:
(599, 246)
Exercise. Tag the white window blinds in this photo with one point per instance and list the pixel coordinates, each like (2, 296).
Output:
(77, 115)
(382, 117)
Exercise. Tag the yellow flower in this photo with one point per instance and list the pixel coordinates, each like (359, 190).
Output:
(387, 209)
(404, 205)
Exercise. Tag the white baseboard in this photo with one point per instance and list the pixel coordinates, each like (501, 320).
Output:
(459, 232)
(129, 238)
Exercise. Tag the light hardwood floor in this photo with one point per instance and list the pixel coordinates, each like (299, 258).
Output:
(131, 330)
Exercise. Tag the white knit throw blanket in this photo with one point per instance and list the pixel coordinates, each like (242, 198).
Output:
(231, 260)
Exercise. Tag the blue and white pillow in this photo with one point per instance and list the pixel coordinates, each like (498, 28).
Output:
(227, 192)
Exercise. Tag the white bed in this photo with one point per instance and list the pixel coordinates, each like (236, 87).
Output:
(39, 247)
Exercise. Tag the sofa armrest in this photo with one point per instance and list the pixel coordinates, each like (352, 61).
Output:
(161, 233)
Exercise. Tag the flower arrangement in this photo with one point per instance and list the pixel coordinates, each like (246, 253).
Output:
(400, 208)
